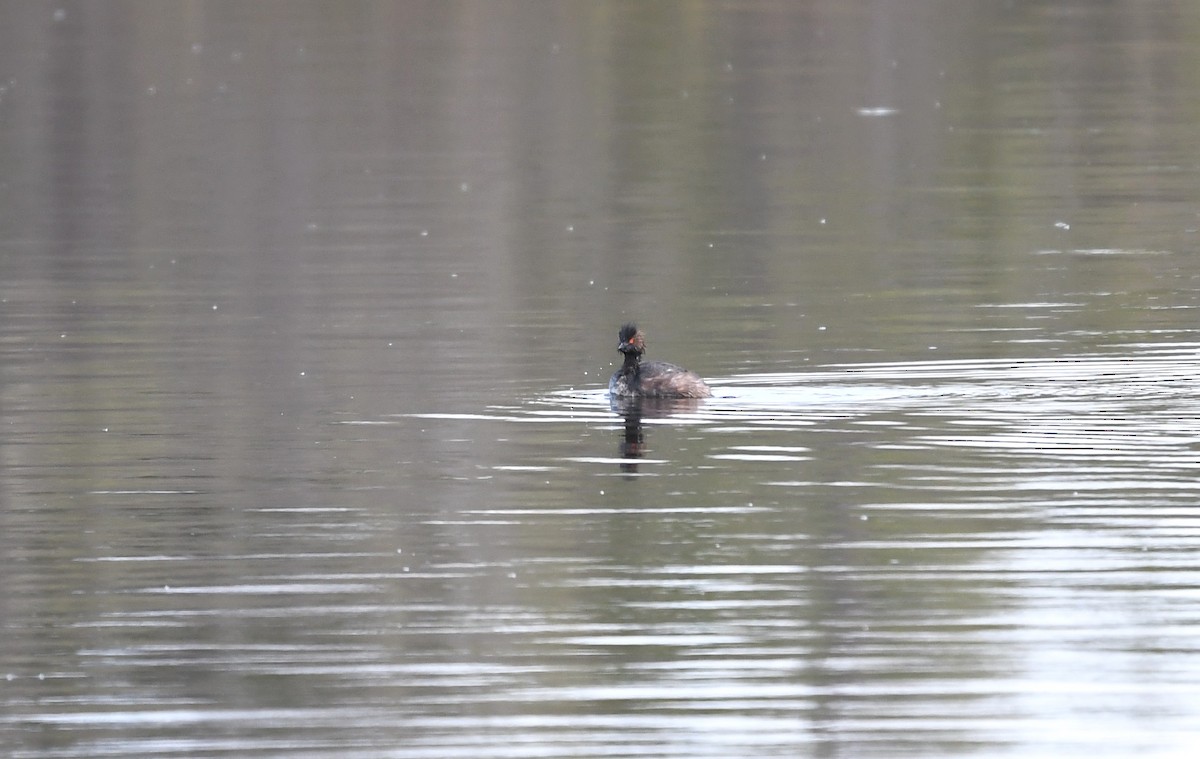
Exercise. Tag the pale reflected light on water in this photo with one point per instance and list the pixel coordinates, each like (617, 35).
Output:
(307, 311)
(1038, 535)
(1007, 553)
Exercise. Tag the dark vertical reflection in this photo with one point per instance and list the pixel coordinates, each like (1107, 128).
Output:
(633, 412)
(304, 322)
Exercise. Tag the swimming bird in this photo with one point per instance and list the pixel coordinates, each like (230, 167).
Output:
(651, 379)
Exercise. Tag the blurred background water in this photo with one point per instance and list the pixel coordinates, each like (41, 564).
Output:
(307, 308)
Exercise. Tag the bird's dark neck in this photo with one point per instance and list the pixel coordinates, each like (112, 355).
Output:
(630, 367)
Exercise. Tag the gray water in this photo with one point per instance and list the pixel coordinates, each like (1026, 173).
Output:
(307, 311)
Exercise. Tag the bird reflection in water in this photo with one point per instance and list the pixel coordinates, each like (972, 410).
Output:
(633, 410)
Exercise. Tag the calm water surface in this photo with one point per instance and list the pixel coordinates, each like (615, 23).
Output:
(307, 310)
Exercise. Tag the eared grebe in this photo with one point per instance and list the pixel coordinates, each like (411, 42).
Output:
(651, 379)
